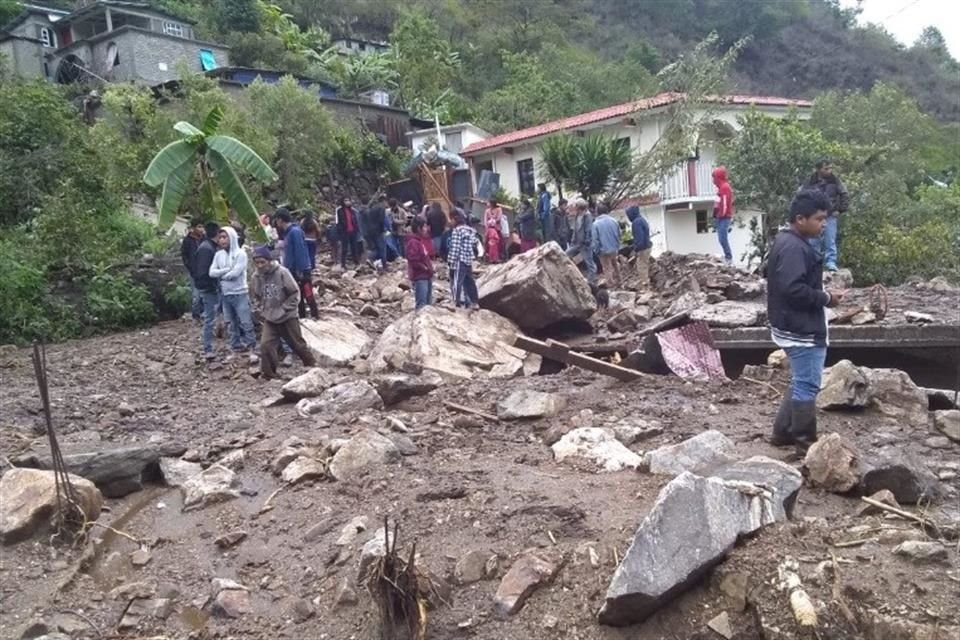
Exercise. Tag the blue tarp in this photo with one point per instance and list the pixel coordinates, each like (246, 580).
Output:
(207, 61)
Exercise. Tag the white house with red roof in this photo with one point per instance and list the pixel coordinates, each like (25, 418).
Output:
(680, 211)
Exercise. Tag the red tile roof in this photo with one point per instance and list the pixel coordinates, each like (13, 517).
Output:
(618, 110)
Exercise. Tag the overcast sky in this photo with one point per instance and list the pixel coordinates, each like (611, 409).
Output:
(905, 19)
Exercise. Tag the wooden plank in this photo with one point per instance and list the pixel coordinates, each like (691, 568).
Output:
(558, 351)
(476, 412)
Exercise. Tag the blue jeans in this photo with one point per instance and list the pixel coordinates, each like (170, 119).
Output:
(378, 249)
(236, 311)
(423, 292)
(463, 286)
(828, 243)
(723, 235)
(806, 370)
(196, 303)
(211, 303)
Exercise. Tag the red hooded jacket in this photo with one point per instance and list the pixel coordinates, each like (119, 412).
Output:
(723, 203)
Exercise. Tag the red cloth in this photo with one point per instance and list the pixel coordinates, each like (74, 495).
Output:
(419, 266)
(493, 244)
(724, 202)
(526, 245)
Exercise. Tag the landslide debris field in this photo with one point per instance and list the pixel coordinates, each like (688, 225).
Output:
(241, 513)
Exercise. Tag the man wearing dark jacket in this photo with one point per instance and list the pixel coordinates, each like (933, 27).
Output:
(795, 309)
(641, 245)
(348, 231)
(296, 258)
(207, 287)
(188, 249)
(824, 181)
(374, 227)
(560, 225)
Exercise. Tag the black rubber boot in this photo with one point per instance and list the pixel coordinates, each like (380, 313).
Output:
(781, 424)
(803, 424)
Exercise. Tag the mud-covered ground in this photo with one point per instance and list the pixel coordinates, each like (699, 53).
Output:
(472, 484)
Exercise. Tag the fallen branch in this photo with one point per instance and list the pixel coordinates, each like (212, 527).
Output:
(762, 383)
(923, 522)
(92, 523)
(838, 595)
(476, 412)
(86, 619)
(266, 505)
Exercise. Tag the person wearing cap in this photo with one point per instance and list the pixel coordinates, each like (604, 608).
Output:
(276, 294)
(463, 242)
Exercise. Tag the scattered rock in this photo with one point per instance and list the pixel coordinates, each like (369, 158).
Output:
(176, 471)
(213, 485)
(374, 549)
(778, 360)
(703, 452)
(687, 302)
(335, 342)
(839, 279)
(627, 320)
(28, 501)
(140, 610)
(832, 463)
(308, 385)
(346, 595)
(232, 603)
(915, 317)
(552, 435)
(745, 289)
(947, 422)
(231, 539)
(844, 385)
(897, 536)
(884, 496)
(369, 311)
(531, 570)
(896, 395)
(405, 445)
(691, 527)
(116, 472)
(598, 446)
(140, 557)
(622, 299)
(397, 387)
(864, 317)
(938, 442)
(530, 404)
(537, 288)
(922, 552)
(630, 431)
(302, 611)
(351, 530)
(125, 410)
(233, 460)
(721, 625)
(346, 396)
(303, 468)
(729, 314)
(899, 472)
(458, 345)
(475, 566)
(363, 453)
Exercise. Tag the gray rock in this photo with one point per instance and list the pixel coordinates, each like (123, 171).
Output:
(371, 552)
(232, 603)
(844, 385)
(691, 527)
(308, 385)
(938, 442)
(28, 500)
(216, 484)
(335, 342)
(687, 302)
(703, 452)
(231, 539)
(729, 314)
(285, 456)
(720, 625)
(140, 557)
(142, 609)
(530, 571)
(116, 472)
(474, 566)
(537, 288)
(526, 403)
(839, 279)
(338, 399)
(176, 471)
(632, 430)
(369, 311)
(915, 317)
(833, 464)
(404, 444)
(302, 611)
(598, 446)
(368, 451)
(947, 422)
(896, 395)
(351, 530)
(233, 460)
(303, 468)
(346, 595)
(397, 387)
(922, 552)
(622, 299)
(745, 290)
(125, 410)
(906, 477)
(626, 321)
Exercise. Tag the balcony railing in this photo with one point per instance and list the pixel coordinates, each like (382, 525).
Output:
(691, 180)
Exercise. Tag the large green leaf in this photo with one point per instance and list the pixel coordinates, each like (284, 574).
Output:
(212, 122)
(174, 190)
(242, 156)
(237, 196)
(187, 130)
(167, 161)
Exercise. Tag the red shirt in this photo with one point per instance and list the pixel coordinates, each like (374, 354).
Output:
(419, 266)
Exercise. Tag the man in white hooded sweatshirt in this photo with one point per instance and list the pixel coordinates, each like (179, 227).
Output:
(230, 267)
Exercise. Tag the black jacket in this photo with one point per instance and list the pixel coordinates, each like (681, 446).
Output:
(527, 224)
(833, 189)
(374, 223)
(795, 295)
(188, 249)
(201, 267)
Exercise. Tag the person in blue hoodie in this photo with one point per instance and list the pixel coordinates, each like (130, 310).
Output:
(230, 268)
(642, 245)
(543, 211)
(296, 258)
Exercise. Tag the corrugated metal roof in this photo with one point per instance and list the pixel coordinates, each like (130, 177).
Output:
(619, 110)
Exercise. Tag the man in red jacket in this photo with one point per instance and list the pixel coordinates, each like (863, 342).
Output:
(419, 266)
(723, 211)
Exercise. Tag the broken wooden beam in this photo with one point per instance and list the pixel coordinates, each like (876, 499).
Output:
(475, 412)
(561, 353)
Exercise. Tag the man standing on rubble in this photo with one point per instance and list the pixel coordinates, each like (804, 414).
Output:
(463, 241)
(723, 211)
(582, 242)
(188, 249)
(560, 225)
(296, 258)
(606, 244)
(796, 305)
(641, 245)
(207, 287)
(824, 181)
(543, 211)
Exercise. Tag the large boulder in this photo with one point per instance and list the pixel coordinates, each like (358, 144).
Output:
(947, 422)
(526, 403)
(455, 345)
(896, 395)
(116, 472)
(308, 385)
(346, 396)
(364, 452)
(833, 464)
(335, 342)
(598, 446)
(703, 452)
(397, 387)
(691, 527)
(537, 288)
(28, 500)
(906, 477)
(844, 386)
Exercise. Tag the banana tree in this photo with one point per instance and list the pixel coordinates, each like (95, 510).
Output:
(213, 157)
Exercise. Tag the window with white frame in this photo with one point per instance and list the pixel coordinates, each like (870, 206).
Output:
(173, 28)
(48, 38)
